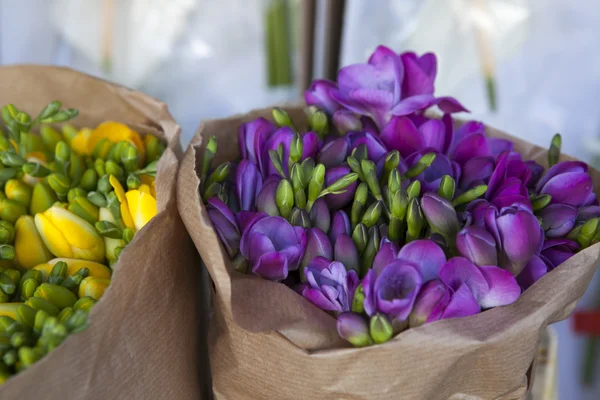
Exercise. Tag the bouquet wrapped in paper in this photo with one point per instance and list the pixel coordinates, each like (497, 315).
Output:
(365, 248)
(89, 224)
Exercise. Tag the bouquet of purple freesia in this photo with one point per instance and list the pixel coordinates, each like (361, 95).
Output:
(386, 217)
(389, 218)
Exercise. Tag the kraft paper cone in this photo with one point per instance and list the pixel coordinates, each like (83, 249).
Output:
(140, 342)
(267, 342)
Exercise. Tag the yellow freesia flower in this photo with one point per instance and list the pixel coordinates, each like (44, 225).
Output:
(142, 207)
(67, 235)
(73, 265)
(30, 249)
(80, 142)
(120, 192)
(93, 287)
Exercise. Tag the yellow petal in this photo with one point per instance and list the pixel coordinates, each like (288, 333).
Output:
(93, 287)
(144, 188)
(29, 247)
(116, 132)
(126, 215)
(80, 142)
(96, 269)
(52, 236)
(119, 191)
(45, 269)
(80, 236)
(142, 207)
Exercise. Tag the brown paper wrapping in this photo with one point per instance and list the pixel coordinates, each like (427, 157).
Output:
(140, 343)
(267, 342)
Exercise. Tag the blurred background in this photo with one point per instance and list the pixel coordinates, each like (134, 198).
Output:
(528, 67)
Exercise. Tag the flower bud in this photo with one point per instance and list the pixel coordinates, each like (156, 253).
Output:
(56, 295)
(470, 195)
(284, 198)
(74, 193)
(89, 180)
(68, 235)
(394, 181)
(296, 149)
(441, 216)
(320, 216)
(369, 171)
(59, 183)
(354, 165)
(29, 246)
(50, 136)
(83, 208)
(333, 153)
(133, 182)
(413, 190)
(340, 225)
(7, 232)
(353, 328)
(99, 167)
(392, 160)
(130, 158)
(558, 219)
(345, 252)
(300, 217)
(12, 159)
(447, 187)
(420, 166)
(319, 124)
(265, 201)
(42, 198)
(360, 238)
(112, 168)
(399, 204)
(84, 303)
(371, 250)
(225, 224)
(360, 200)
(316, 182)
(18, 191)
(282, 118)
(372, 214)
(58, 273)
(414, 220)
(93, 287)
(380, 328)
(96, 198)
(554, 152)
(35, 170)
(430, 303)
(128, 235)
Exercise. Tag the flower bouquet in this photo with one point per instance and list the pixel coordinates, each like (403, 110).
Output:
(89, 224)
(439, 249)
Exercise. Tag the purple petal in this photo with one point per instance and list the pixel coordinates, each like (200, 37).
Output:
(458, 271)
(414, 103)
(333, 153)
(346, 121)
(557, 251)
(472, 146)
(572, 188)
(340, 225)
(416, 79)
(449, 129)
(534, 270)
(387, 253)
(375, 147)
(265, 201)
(272, 266)
(353, 327)
(498, 175)
(587, 212)
(320, 216)
(310, 142)
(430, 303)
(467, 129)
(338, 201)
(401, 134)
(252, 138)
(344, 251)
(498, 145)
(521, 236)
(503, 287)
(561, 168)
(319, 94)
(433, 133)
(248, 184)
(476, 171)
(426, 255)
(317, 245)
(449, 105)
(317, 297)
(462, 304)
(259, 245)
(478, 245)
(283, 136)
(558, 219)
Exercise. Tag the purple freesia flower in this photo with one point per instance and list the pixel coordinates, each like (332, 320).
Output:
(402, 134)
(265, 200)
(225, 224)
(248, 184)
(419, 72)
(393, 291)
(507, 185)
(517, 233)
(375, 147)
(330, 286)
(476, 171)
(317, 245)
(340, 224)
(345, 251)
(319, 95)
(477, 245)
(430, 178)
(424, 254)
(253, 137)
(334, 153)
(273, 247)
(374, 89)
(489, 285)
(534, 270)
(568, 182)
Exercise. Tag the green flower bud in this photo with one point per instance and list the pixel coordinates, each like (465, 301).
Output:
(18, 191)
(60, 184)
(28, 288)
(360, 238)
(97, 198)
(394, 181)
(84, 208)
(104, 185)
(76, 168)
(59, 273)
(61, 116)
(59, 296)
(316, 182)
(359, 299)
(7, 252)
(447, 187)
(354, 165)
(370, 172)
(78, 321)
(360, 152)
(102, 148)
(74, 193)
(367, 257)
(296, 149)
(128, 235)
(108, 229)
(554, 152)
(112, 168)
(38, 303)
(395, 229)
(29, 356)
(340, 185)
(85, 303)
(99, 167)
(413, 190)
(40, 320)
(72, 282)
(130, 158)
(414, 220)
(152, 147)
(282, 118)
(62, 153)
(319, 123)
(11, 210)
(220, 173)
(42, 198)
(587, 232)
(7, 232)
(133, 182)
(209, 154)
(380, 328)
(372, 214)
(26, 316)
(7, 286)
(284, 198)
(470, 195)
(308, 165)
(50, 110)
(399, 204)
(32, 274)
(50, 137)
(360, 200)
(64, 316)
(421, 165)
(35, 169)
(211, 191)
(89, 180)
(392, 160)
